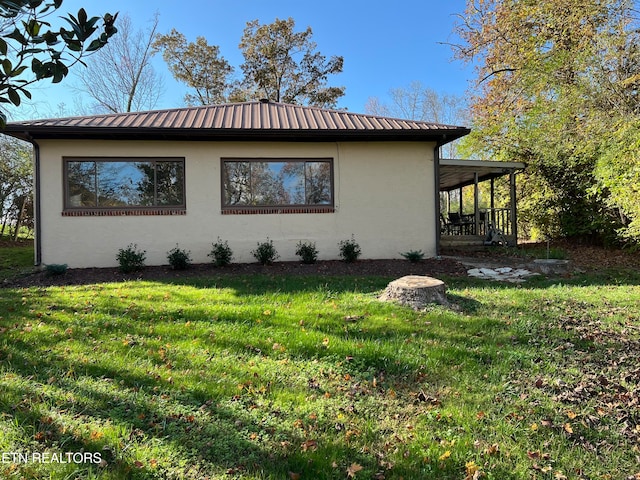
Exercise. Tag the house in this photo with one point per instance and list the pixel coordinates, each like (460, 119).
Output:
(240, 172)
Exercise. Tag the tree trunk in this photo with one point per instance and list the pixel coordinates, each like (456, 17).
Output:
(20, 218)
(416, 291)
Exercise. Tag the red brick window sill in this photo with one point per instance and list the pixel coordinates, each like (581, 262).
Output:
(275, 210)
(123, 212)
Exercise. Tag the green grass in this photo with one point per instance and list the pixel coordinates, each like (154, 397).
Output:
(15, 260)
(259, 377)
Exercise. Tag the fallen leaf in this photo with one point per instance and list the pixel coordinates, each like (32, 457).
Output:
(493, 449)
(309, 445)
(567, 428)
(445, 455)
(294, 476)
(353, 469)
(471, 468)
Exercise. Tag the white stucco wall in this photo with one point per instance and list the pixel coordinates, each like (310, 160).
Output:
(384, 196)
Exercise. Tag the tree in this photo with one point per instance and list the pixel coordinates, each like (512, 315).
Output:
(417, 102)
(547, 72)
(199, 65)
(15, 181)
(120, 77)
(283, 66)
(28, 42)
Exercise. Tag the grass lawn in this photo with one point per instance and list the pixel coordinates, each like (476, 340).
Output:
(15, 259)
(312, 378)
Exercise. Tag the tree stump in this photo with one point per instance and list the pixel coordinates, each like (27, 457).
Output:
(415, 291)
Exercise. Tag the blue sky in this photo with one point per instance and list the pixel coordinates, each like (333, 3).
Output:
(385, 45)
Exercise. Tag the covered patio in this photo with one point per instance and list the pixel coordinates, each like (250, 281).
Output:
(486, 224)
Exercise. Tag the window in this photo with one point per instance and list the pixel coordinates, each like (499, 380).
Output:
(124, 183)
(305, 185)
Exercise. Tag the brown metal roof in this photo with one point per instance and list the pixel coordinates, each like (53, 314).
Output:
(457, 173)
(250, 120)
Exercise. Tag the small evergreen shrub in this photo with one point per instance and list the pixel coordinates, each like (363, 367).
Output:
(179, 259)
(414, 256)
(131, 259)
(56, 269)
(221, 253)
(307, 252)
(266, 253)
(349, 250)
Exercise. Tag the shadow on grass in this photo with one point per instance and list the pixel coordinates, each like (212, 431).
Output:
(213, 433)
(145, 411)
(219, 432)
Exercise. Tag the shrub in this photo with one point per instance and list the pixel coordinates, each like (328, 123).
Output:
(349, 250)
(414, 256)
(266, 253)
(131, 259)
(56, 269)
(179, 259)
(221, 253)
(307, 252)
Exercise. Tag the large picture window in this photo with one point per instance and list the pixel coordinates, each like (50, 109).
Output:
(124, 183)
(261, 183)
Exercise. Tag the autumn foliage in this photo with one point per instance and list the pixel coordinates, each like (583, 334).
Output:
(557, 88)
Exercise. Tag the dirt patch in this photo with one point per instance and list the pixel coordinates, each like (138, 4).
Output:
(386, 268)
(582, 257)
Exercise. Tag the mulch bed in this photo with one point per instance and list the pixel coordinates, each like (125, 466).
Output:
(386, 268)
(583, 257)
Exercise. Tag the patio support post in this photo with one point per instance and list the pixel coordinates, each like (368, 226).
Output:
(476, 212)
(512, 204)
(493, 202)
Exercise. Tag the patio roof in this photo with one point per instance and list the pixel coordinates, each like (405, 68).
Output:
(457, 173)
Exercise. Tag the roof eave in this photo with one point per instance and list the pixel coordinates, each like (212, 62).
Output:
(441, 136)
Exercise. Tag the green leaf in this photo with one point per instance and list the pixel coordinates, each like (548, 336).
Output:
(51, 38)
(74, 45)
(60, 71)
(77, 31)
(33, 27)
(82, 16)
(30, 51)
(95, 45)
(19, 71)
(3, 47)
(18, 37)
(14, 96)
(7, 66)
